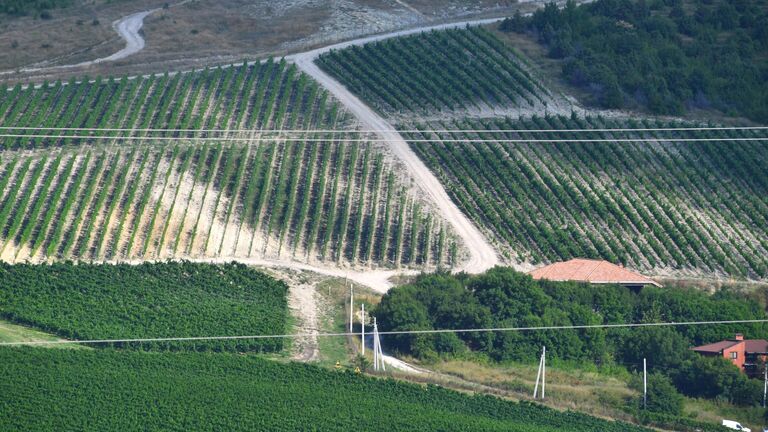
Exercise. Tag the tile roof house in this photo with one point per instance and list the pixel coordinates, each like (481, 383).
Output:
(592, 271)
(743, 353)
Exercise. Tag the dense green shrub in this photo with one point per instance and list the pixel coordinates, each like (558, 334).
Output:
(24, 7)
(662, 395)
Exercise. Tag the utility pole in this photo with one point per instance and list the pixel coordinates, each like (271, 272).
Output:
(375, 347)
(645, 384)
(351, 307)
(381, 353)
(541, 374)
(543, 371)
(362, 328)
(765, 382)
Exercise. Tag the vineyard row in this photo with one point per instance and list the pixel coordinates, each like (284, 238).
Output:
(330, 202)
(455, 69)
(262, 96)
(665, 205)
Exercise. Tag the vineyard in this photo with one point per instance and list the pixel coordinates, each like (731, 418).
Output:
(658, 203)
(326, 201)
(270, 95)
(189, 174)
(111, 391)
(183, 299)
(461, 69)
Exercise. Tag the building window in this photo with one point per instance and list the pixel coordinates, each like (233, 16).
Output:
(734, 355)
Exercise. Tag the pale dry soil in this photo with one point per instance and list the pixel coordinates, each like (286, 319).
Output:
(197, 33)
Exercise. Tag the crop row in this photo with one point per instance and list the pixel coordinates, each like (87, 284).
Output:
(437, 70)
(250, 97)
(328, 201)
(656, 203)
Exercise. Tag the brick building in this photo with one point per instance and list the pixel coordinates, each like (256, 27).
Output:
(745, 354)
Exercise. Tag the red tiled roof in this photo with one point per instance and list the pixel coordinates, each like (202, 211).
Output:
(716, 347)
(593, 271)
(750, 346)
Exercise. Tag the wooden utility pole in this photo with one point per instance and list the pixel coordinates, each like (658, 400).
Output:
(362, 327)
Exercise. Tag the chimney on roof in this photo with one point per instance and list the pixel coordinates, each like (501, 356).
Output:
(739, 337)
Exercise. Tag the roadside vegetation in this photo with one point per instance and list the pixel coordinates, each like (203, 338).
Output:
(665, 57)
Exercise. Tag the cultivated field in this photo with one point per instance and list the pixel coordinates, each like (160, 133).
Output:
(658, 203)
(207, 183)
(464, 70)
(87, 302)
(110, 390)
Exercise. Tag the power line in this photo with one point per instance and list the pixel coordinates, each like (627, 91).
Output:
(349, 131)
(395, 332)
(384, 140)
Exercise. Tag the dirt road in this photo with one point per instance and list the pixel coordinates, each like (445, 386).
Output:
(482, 254)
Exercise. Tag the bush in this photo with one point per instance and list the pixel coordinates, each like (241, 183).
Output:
(663, 398)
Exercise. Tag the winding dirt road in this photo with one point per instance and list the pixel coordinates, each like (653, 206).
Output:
(128, 28)
(482, 254)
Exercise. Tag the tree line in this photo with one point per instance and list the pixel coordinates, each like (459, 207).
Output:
(666, 56)
(502, 297)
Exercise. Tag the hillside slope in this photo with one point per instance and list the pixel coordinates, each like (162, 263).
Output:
(190, 166)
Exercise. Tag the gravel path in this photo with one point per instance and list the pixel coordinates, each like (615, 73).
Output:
(482, 254)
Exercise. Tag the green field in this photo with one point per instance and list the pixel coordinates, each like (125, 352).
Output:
(159, 300)
(111, 391)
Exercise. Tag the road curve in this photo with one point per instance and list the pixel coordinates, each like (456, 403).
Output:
(127, 27)
(482, 254)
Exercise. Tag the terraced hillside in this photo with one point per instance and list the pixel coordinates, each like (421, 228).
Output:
(657, 203)
(189, 165)
(447, 70)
